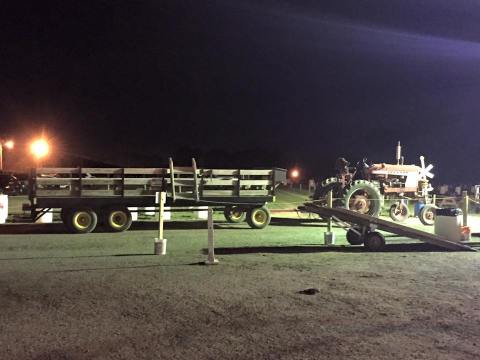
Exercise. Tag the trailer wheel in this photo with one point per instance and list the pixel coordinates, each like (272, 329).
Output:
(258, 218)
(353, 238)
(117, 219)
(234, 214)
(427, 215)
(80, 220)
(374, 241)
(399, 212)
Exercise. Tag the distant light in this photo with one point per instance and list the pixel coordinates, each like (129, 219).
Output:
(39, 148)
(9, 144)
(295, 173)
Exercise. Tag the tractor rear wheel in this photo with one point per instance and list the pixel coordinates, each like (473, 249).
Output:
(326, 185)
(364, 197)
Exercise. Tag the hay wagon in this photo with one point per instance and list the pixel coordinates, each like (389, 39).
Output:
(85, 197)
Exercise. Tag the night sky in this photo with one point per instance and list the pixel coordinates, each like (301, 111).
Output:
(246, 83)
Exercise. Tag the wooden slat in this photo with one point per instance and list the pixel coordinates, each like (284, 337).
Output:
(56, 192)
(101, 181)
(172, 177)
(184, 182)
(146, 171)
(218, 182)
(255, 172)
(255, 182)
(207, 193)
(254, 192)
(184, 170)
(56, 170)
(102, 192)
(143, 181)
(56, 181)
(101, 170)
(139, 192)
(221, 172)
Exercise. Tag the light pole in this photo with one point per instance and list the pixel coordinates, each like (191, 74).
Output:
(9, 145)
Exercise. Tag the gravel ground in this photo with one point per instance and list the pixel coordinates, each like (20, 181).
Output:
(104, 296)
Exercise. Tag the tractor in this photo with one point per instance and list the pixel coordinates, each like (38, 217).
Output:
(366, 187)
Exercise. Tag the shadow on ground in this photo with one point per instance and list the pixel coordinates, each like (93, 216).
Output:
(409, 247)
(59, 228)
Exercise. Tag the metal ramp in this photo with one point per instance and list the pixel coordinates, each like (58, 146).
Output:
(355, 218)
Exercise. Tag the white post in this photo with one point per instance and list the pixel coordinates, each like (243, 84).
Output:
(329, 236)
(160, 247)
(211, 245)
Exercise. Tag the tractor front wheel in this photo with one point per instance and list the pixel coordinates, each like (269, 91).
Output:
(427, 215)
(399, 212)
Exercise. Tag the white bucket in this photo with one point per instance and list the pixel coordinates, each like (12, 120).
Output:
(3, 208)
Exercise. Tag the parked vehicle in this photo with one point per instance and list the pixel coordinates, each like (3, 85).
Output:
(12, 185)
(88, 196)
(365, 187)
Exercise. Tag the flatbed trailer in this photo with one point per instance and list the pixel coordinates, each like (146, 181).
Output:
(86, 197)
(361, 228)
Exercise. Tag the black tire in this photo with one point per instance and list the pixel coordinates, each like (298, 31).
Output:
(117, 218)
(364, 197)
(353, 238)
(399, 212)
(234, 214)
(258, 218)
(80, 220)
(374, 241)
(427, 214)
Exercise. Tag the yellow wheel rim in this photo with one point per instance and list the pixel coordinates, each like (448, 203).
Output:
(82, 220)
(260, 217)
(236, 214)
(118, 219)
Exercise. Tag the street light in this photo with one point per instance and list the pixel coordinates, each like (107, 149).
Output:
(9, 145)
(39, 148)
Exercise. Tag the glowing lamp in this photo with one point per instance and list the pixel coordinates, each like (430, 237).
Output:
(295, 173)
(39, 148)
(9, 144)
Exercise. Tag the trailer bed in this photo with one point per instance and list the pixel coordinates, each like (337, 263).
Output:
(184, 186)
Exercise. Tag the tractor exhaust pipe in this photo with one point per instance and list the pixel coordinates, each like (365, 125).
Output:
(399, 153)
